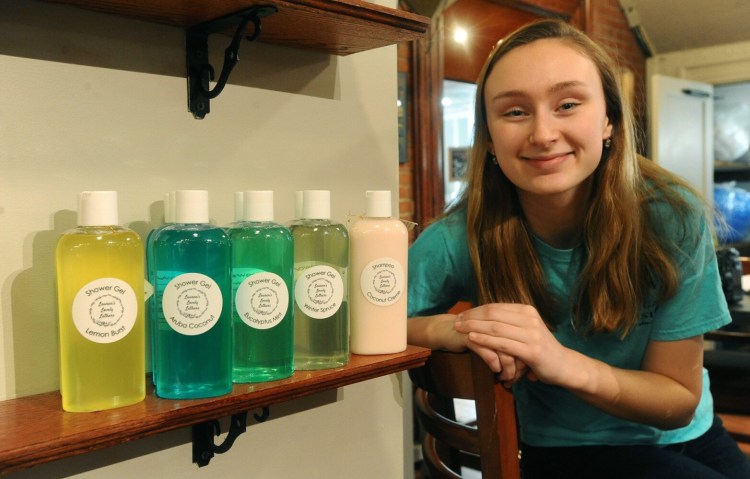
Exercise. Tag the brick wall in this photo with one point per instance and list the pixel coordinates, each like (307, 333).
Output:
(609, 28)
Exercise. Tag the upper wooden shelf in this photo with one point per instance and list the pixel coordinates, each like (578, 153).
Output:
(339, 27)
(35, 430)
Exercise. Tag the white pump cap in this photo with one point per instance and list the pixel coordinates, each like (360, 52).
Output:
(191, 206)
(97, 208)
(258, 205)
(378, 204)
(238, 205)
(316, 204)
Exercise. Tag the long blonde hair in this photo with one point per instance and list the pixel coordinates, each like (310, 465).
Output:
(624, 257)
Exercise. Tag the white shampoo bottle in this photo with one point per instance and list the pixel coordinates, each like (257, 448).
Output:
(378, 266)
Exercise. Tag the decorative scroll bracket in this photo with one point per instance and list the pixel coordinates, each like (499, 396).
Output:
(204, 434)
(200, 71)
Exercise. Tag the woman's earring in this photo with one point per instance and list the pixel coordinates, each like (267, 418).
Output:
(607, 142)
(494, 160)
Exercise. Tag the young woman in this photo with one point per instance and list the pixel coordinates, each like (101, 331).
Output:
(593, 270)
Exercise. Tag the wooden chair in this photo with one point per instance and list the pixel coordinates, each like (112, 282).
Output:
(729, 372)
(490, 445)
(728, 367)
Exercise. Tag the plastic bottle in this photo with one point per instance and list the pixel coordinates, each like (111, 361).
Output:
(262, 275)
(239, 205)
(378, 273)
(100, 297)
(297, 210)
(192, 303)
(321, 312)
(151, 322)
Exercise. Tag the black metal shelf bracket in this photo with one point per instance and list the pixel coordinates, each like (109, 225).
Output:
(205, 432)
(199, 70)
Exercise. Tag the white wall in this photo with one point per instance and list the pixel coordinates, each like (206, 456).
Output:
(93, 101)
(719, 64)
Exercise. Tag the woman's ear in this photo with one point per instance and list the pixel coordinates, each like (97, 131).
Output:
(607, 133)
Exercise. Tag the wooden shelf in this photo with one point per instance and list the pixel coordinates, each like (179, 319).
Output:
(339, 27)
(35, 430)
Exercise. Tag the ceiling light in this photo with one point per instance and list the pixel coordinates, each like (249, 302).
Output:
(460, 35)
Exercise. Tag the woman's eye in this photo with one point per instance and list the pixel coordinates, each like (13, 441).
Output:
(568, 105)
(513, 113)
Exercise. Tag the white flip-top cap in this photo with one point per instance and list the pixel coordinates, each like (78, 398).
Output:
(378, 204)
(191, 206)
(258, 205)
(97, 208)
(316, 204)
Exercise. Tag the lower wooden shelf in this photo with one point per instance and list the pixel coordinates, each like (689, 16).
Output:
(35, 430)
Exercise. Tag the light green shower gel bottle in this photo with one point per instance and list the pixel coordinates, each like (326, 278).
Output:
(321, 261)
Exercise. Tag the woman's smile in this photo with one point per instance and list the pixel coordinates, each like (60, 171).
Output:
(548, 161)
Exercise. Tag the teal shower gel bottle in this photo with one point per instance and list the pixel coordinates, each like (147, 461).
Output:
(262, 274)
(192, 303)
(100, 293)
(321, 259)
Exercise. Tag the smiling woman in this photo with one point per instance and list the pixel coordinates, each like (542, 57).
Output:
(573, 248)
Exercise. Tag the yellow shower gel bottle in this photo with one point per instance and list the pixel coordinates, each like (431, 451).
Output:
(100, 281)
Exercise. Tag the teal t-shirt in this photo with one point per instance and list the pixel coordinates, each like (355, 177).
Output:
(441, 273)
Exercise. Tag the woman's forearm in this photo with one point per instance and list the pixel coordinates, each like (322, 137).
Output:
(435, 332)
(641, 396)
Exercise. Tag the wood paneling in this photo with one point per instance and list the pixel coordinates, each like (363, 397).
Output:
(486, 22)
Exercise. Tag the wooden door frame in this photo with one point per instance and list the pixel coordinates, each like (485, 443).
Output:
(427, 60)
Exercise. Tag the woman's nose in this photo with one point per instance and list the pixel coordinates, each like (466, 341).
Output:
(543, 130)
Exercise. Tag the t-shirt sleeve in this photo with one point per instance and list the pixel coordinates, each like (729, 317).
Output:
(699, 304)
(440, 271)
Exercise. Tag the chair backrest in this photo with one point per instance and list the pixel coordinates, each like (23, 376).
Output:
(447, 444)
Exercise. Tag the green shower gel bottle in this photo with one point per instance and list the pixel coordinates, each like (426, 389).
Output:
(100, 293)
(262, 273)
(321, 259)
(192, 305)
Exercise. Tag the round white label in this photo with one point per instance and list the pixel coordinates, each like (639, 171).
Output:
(192, 303)
(382, 281)
(105, 310)
(319, 291)
(262, 300)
